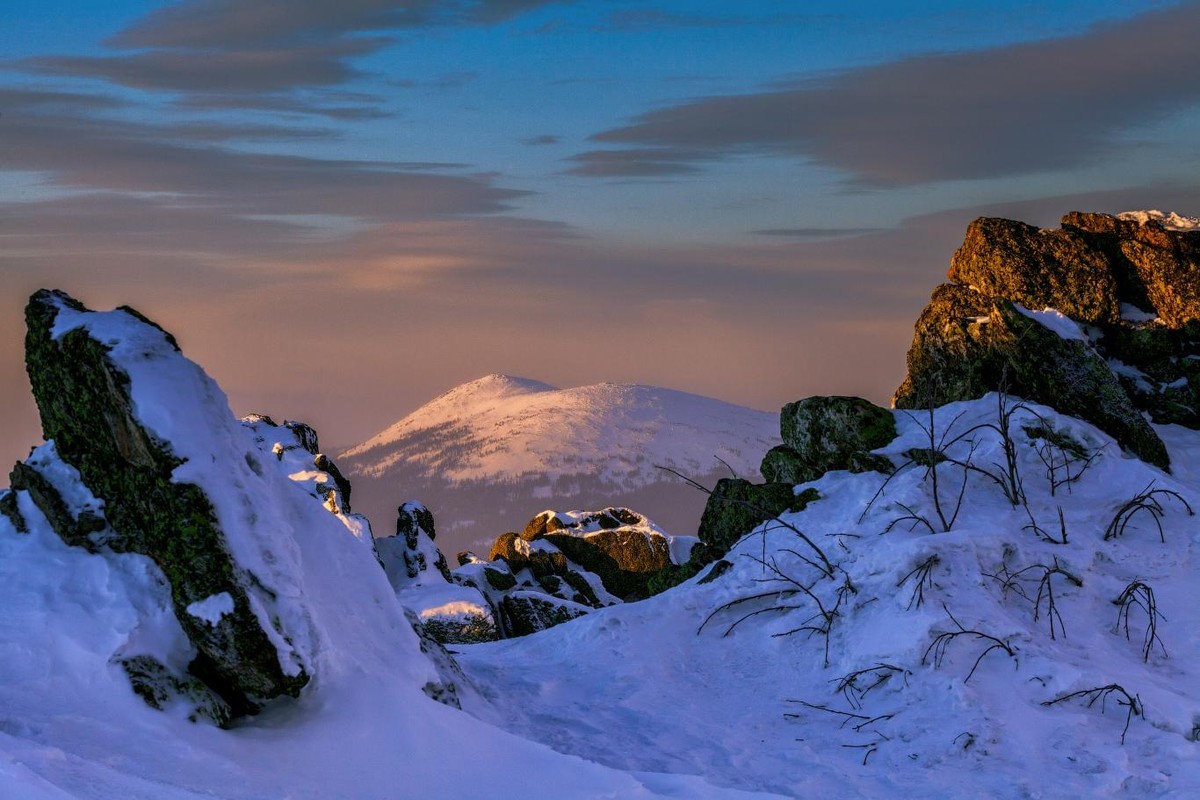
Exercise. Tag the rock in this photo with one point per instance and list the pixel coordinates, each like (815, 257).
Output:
(737, 506)
(622, 547)
(410, 557)
(305, 435)
(783, 464)
(528, 612)
(325, 464)
(1060, 269)
(1069, 376)
(624, 558)
(83, 397)
(8, 507)
(948, 359)
(161, 688)
(829, 433)
(519, 554)
(1134, 283)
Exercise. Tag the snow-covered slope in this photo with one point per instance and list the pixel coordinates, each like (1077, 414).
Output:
(487, 455)
(71, 724)
(763, 694)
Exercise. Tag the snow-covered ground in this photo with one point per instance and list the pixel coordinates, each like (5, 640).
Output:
(642, 687)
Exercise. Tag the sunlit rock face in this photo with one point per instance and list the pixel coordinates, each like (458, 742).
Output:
(1124, 345)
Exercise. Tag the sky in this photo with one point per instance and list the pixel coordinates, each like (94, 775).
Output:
(343, 208)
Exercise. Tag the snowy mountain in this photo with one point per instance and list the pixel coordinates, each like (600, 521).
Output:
(488, 455)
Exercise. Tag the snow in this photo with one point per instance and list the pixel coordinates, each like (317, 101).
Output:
(1170, 221)
(1131, 313)
(212, 608)
(642, 687)
(1060, 323)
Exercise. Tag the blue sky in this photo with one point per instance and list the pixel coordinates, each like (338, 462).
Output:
(344, 208)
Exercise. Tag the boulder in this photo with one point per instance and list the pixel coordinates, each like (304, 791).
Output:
(84, 399)
(622, 547)
(829, 433)
(525, 612)
(736, 506)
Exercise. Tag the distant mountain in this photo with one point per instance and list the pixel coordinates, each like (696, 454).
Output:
(488, 455)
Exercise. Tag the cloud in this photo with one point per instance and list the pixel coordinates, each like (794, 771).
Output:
(634, 20)
(186, 165)
(253, 54)
(234, 24)
(647, 162)
(541, 140)
(1027, 107)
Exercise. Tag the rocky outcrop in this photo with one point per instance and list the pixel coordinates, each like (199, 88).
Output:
(84, 396)
(447, 610)
(622, 547)
(829, 433)
(411, 550)
(1131, 282)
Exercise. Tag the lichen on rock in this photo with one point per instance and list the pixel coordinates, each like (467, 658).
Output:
(84, 399)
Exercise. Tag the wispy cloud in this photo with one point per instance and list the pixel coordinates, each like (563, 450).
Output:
(255, 54)
(1012, 110)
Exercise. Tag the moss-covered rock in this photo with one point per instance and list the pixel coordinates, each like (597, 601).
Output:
(1069, 376)
(84, 401)
(736, 506)
(949, 358)
(782, 464)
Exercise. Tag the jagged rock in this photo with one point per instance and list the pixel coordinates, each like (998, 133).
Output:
(947, 361)
(83, 397)
(73, 529)
(1060, 269)
(325, 464)
(737, 506)
(528, 612)
(8, 507)
(1158, 268)
(1130, 279)
(305, 435)
(409, 556)
(829, 433)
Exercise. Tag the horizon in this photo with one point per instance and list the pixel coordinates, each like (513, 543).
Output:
(344, 213)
